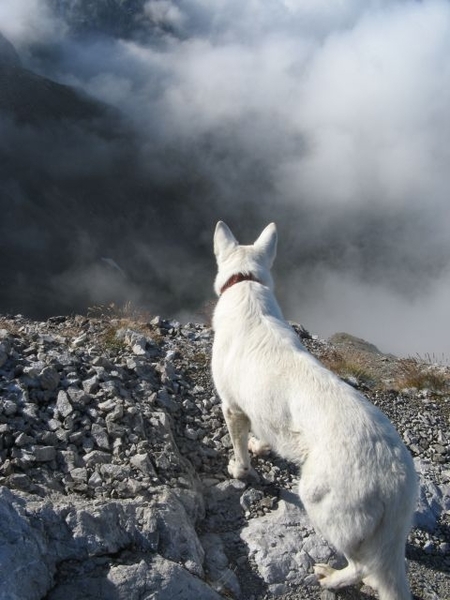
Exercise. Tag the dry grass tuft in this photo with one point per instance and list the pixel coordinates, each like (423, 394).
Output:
(347, 368)
(127, 316)
(423, 374)
(126, 312)
(111, 342)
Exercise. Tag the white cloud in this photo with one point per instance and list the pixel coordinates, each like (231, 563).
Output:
(402, 326)
(25, 21)
(164, 13)
(375, 105)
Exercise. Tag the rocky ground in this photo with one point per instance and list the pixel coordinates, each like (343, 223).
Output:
(113, 481)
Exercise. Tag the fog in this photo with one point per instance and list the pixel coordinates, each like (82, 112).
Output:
(329, 118)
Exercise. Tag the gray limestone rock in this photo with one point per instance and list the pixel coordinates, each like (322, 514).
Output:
(26, 571)
(284, 545)
(433, 500)
(150, 578)
(157, 536)
(217, 566)
(63, 406)
(49, 378)
(4, 351)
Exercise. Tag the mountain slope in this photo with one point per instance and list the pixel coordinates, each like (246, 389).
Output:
(115, 421)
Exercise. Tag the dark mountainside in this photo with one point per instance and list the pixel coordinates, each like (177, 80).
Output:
(85, 220)
(73, 193)
(113, 468)
(88, 215)
(110, 17)
(91, 212)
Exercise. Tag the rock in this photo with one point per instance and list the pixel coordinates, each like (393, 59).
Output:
(433, 501)
(63, 405)
(97, 457)
(9, 408)
(347, 340)
(48, 532)
(19, 481)
(79, 474)
(165, 400)
(23, 440)
(100, 436)
(250, 497)
(95, 480)
(19, 537)
(284, 545)
(3, 354)
(44, 453)
(49, 378)
(80, 340)
(102, 361)
(143, 464)
(91, 385)
(77, 396)
(91, 531)
(178, 539)
(155, 578)
(223, 579)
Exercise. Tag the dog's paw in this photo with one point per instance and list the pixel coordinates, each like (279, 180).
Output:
(239, 472)
(322, 571)
(257, 447)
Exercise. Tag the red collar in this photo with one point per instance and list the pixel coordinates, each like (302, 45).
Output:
(237, 278)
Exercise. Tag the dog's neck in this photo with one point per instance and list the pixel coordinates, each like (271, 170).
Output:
(237, 278)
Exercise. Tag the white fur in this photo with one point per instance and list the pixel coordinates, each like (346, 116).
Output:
(358, 483)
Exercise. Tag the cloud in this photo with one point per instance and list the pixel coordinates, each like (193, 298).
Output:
(25, 22)
(164, 13)
(374, 101)
(406, 327)
(330, 118)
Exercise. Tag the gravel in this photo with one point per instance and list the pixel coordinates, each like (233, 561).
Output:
(123, 416)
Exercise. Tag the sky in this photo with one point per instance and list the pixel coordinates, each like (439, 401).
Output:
(330, 118)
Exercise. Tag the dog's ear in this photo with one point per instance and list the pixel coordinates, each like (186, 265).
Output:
(266, 244)
(224, 241)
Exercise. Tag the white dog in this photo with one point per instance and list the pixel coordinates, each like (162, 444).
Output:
(358, 483)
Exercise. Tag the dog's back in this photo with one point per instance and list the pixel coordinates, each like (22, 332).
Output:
(357, 483)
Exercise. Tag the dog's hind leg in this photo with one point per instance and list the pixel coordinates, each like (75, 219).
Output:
(390, 580)
(239, 426)
(258, 447)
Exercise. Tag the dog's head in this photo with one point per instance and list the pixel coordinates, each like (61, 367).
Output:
(252, 261)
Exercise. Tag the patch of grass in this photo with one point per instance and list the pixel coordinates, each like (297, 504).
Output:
(348, 369)
(111, 343)
(126, 316)
(423, 374)
(127, 311)
(11, 326)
